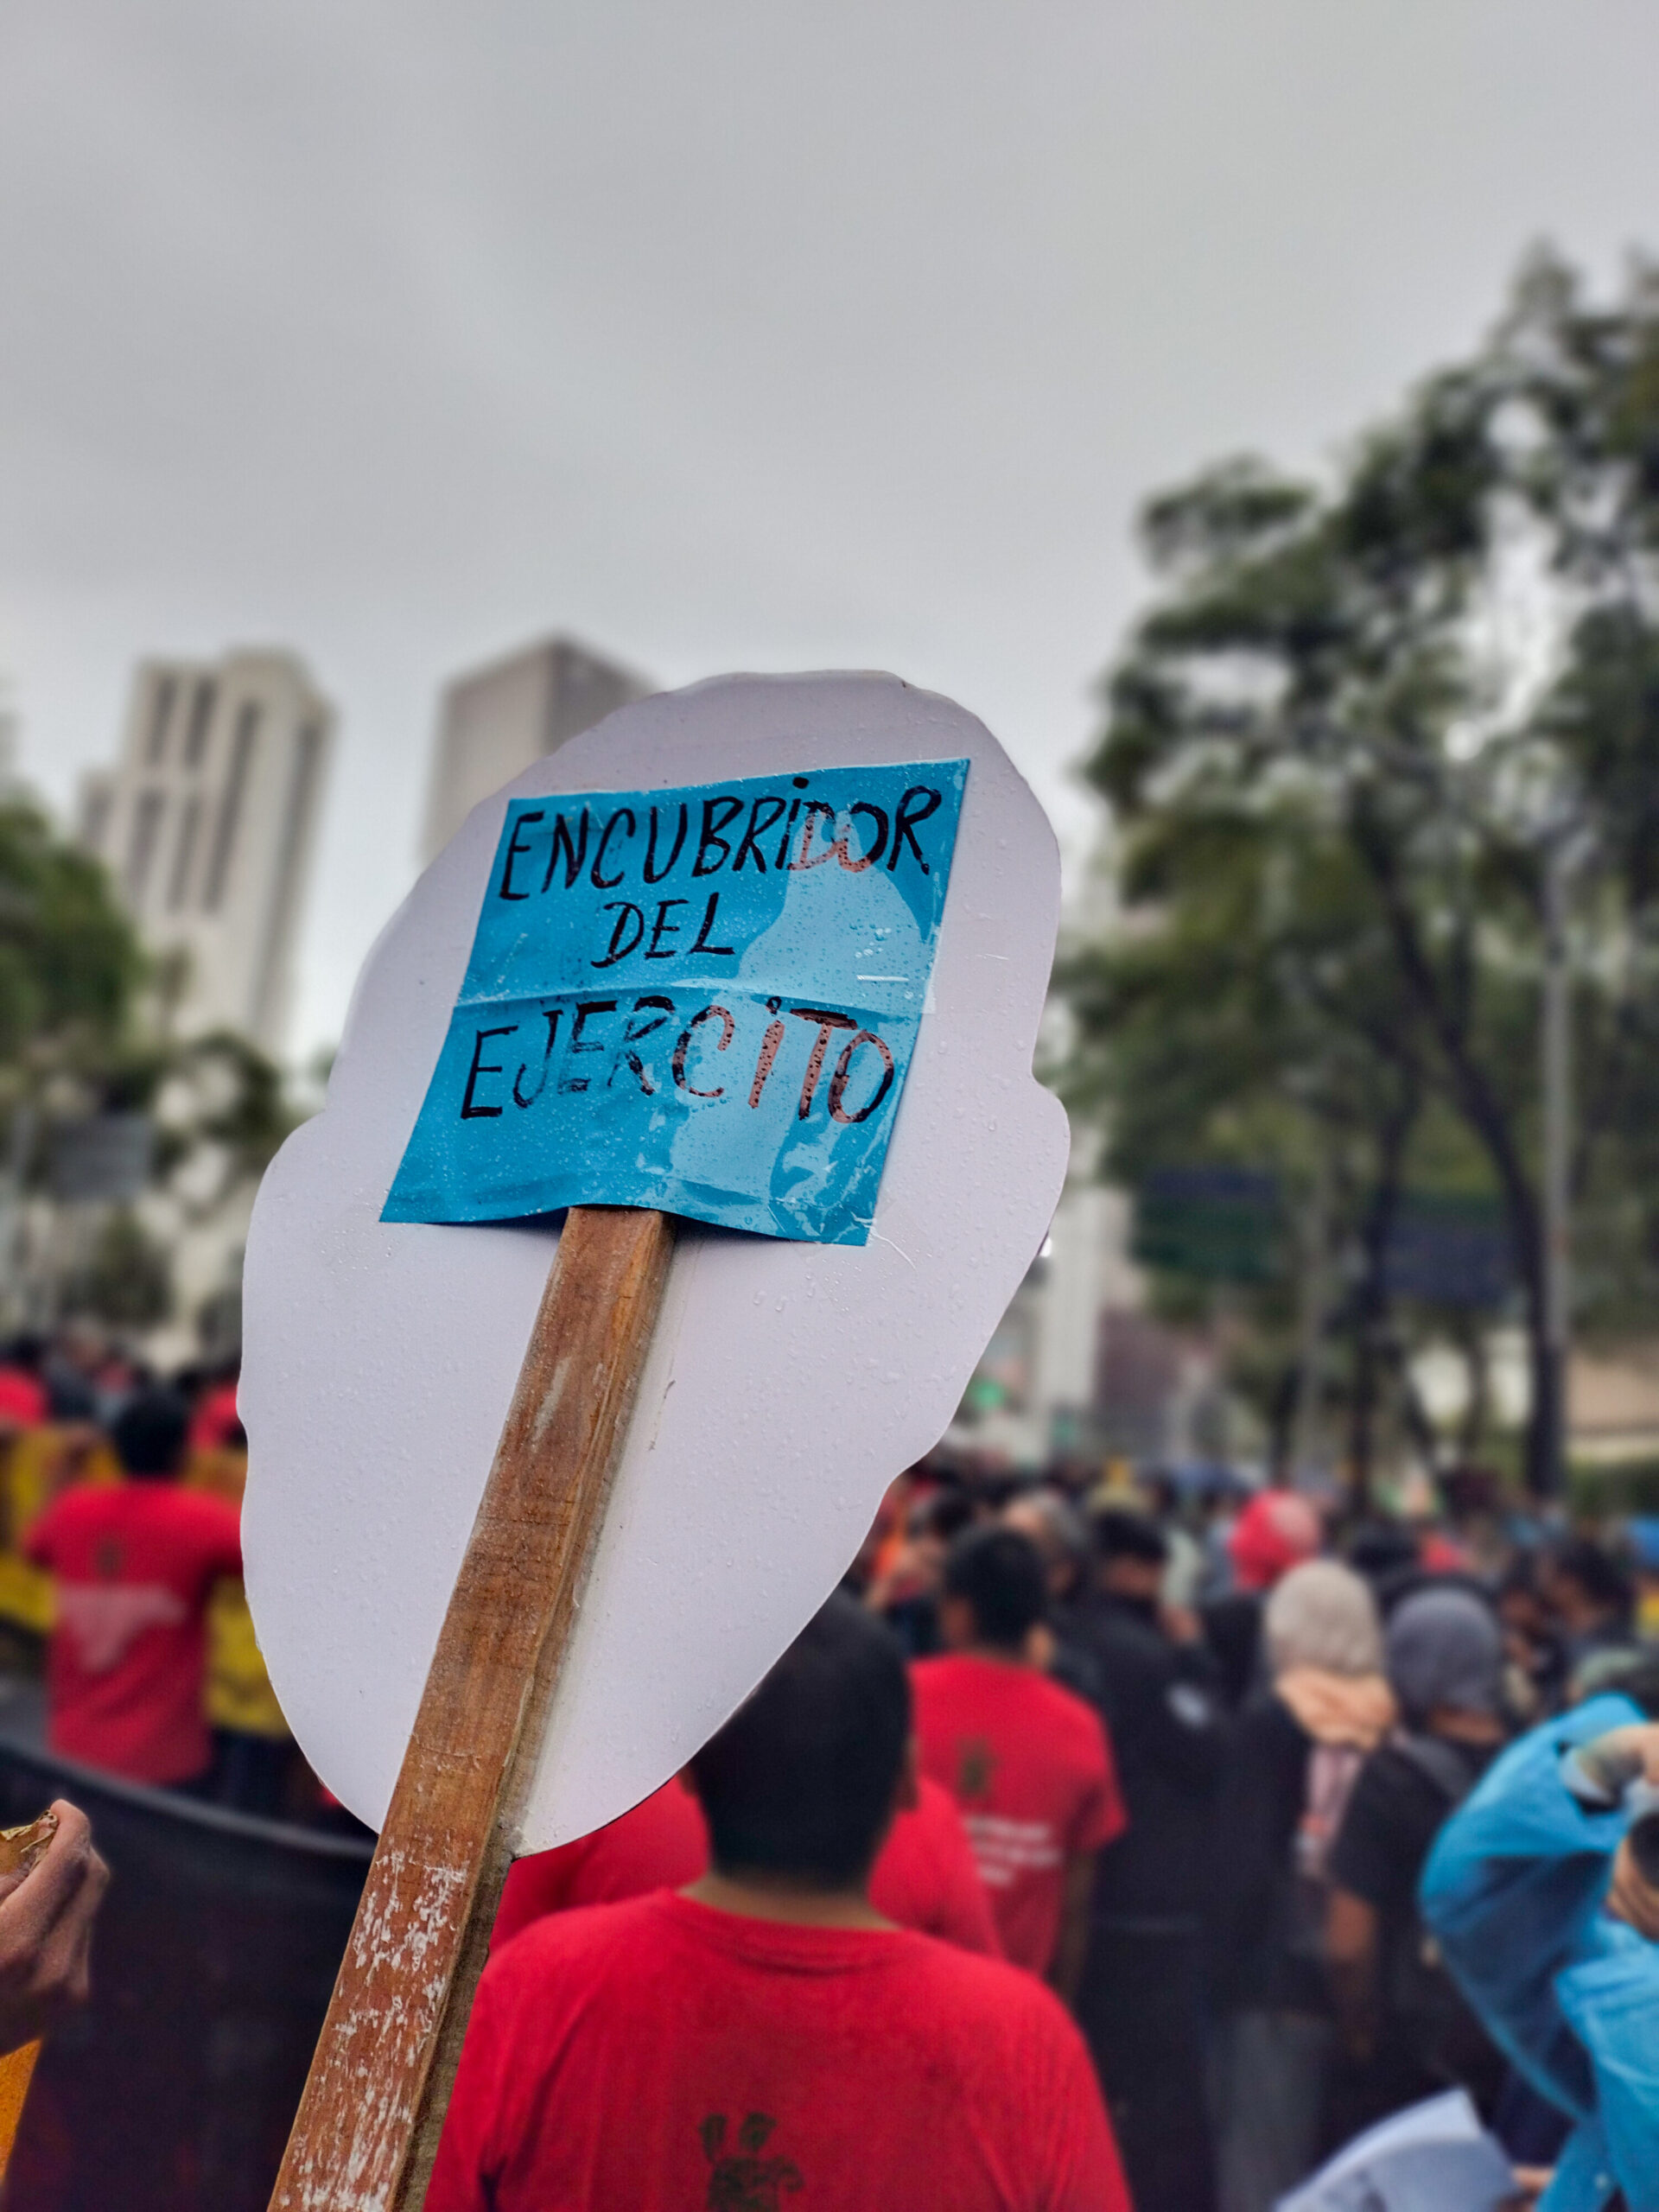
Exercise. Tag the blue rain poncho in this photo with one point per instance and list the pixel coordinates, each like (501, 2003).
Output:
(1513, 1892)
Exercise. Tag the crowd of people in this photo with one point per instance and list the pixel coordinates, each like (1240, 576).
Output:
(121, 1490)
(1193, 1755)
(1098, 1843)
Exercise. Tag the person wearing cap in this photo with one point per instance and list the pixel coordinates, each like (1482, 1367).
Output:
(1403, 2019)
(1277, 1531)
(1542, 1893)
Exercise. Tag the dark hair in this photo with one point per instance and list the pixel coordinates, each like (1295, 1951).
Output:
(999, 1574)
(1382, 1553)
(1120, 1533)
(1469, 1489)
(1161, 1491)
(1520, 1577)
(1634, 1676)
(1644, 1848)
(1603, 1578)
(942, 1513)
(801, 1780)
(1065, 1540)
(149, 1433)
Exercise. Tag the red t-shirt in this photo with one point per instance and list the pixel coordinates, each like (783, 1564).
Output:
(655, 2056)
(23, 1402)
(124, 1671)
(661, 1845)
(924, 1877)
(1030, 1767)
(216, 1421)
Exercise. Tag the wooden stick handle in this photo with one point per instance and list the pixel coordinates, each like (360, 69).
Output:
(368, 2124)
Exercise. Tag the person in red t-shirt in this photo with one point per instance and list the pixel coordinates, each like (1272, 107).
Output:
(134, 1566)
(1027, 1762)
(216, 1423)
(766, 2031)
(23, 1394)
(661, 1844)
(924, 1875)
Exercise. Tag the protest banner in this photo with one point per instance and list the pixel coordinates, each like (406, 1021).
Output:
(586, 1484)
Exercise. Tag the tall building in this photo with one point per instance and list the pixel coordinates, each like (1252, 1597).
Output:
(495, 721)
(207, 823)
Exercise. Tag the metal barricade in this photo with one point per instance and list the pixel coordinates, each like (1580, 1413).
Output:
(212, 1966)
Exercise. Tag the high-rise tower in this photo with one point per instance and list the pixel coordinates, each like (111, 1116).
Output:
(494, 721)
(207, 823)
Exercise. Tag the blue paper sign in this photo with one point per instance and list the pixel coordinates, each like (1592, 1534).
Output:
(702, 999)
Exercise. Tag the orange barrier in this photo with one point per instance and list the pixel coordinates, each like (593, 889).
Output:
(16, 2072)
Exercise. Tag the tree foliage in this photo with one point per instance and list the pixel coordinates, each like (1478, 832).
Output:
(69, 963)
(1338, 746)
(85, 1030)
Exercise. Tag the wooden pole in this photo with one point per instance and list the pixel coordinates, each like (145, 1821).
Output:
(367, 2128)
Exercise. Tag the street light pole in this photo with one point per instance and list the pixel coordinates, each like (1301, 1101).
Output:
(1557, 1044)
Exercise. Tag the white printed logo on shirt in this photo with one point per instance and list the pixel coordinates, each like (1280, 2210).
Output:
(1004, 1849)
(105, 1619)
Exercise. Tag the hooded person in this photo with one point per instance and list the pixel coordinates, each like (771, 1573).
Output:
(1293, 1758)
(1542, 1894)
(1405, 2026)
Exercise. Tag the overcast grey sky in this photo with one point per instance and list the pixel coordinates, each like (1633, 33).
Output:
(749, 333)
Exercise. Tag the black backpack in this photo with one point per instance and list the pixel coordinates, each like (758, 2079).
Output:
(1423, 2006)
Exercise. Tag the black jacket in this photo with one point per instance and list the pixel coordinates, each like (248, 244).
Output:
(1258, 1809)
(1161, 1708)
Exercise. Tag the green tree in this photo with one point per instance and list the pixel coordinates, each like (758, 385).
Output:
(1335, 748)
(70, 966)
(84, 1029)
(128, 1277)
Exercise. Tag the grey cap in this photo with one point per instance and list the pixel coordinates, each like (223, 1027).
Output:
(1444, 1648)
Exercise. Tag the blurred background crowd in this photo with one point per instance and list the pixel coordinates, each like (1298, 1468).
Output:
(1298, 1689)
(1295, 1680)
(81, 1418)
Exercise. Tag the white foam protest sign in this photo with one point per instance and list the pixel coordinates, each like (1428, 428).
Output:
(787, 1382)
(1432, 2157)
(747, 979)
